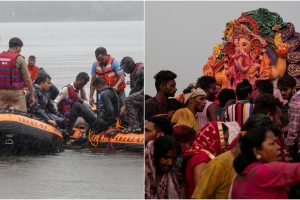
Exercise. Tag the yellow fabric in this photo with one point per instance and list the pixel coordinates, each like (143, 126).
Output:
(185, 117)
(216, 178)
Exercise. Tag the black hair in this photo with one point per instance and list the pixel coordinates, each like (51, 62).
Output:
(226, 95)
(252, 139)
(99, 81)
(127, 64)
(147, 96)
(256, 120)
(183, 133)
(31, 57)
(42, 78)
(265, 86)
(100, 50)
(205, 81)
(163, 76)
(224, 127)
(15, 42)
(83, 76)
(173, 104)
(162, 124)
(287, 81)
(163, 145)
(243, 89)
(188, 89)
(266, 103)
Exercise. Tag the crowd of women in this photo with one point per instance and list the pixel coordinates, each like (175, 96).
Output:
(229, 143)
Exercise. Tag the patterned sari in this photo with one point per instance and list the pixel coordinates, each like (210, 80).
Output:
(168, 187)
(210, 139)
(209, 143)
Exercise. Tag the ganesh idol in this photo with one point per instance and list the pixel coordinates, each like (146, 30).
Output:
(243, 56)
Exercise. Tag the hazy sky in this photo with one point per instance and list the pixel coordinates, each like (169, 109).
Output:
(180, 35)
(32, 11)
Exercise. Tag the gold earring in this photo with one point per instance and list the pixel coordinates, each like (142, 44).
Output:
(258, 157)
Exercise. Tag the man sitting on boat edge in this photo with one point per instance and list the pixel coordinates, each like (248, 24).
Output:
(71, 94)
(107, 109)
(43, 107)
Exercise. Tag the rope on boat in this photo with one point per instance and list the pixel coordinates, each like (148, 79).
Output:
(95, 139)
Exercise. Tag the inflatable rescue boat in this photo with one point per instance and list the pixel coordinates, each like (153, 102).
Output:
(22, 134)
(115, 138)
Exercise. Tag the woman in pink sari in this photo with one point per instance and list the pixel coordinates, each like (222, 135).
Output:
(259, 176)
(161, 181)
(210, 141)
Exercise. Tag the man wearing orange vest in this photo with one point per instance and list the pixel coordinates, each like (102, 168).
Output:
(32, 68)
(14, 76)
(108, 68)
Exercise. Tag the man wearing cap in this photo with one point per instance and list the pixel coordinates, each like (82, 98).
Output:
(136, 71)
(195, 102)
(14, 76)
(108, 68)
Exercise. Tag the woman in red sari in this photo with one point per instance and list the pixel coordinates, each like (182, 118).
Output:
(210, 141)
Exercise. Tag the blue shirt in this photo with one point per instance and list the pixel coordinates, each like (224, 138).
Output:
(115, 66)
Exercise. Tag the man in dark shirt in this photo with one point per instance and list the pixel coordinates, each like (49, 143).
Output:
(166, 87)
(136, 71)
(107, 109)
(43, 107)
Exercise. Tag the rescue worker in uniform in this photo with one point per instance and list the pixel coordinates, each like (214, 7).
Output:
(108, 68)
(14, 77)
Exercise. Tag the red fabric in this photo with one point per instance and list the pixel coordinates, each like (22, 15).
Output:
(195, 160)
(33, 72)
(265, 180)
(208, 138)
(66, 104)
(10, 75)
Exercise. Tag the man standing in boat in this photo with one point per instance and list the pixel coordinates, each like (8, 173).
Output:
(109, 69)
(32, 68)
(14, 76)
(107, 109)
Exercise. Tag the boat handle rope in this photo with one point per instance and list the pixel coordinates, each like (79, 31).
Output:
(9, 140)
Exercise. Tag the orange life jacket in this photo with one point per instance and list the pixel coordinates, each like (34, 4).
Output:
(109, 75)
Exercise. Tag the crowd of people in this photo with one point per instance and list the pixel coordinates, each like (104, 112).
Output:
(27, 88)
(211, 143)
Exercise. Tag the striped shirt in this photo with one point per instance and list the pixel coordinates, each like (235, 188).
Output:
(239, 112)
